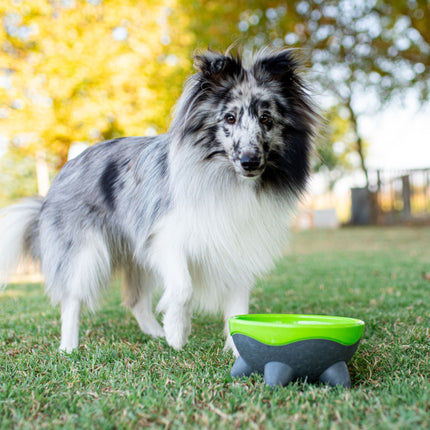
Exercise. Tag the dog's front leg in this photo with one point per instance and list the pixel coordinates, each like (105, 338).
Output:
(235, 303)
(176, 300)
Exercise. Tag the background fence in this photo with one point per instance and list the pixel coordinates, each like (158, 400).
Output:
(399, 196)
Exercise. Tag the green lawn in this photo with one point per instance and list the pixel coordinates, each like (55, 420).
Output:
(120, 378)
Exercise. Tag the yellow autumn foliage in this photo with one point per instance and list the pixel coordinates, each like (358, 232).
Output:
(89, 71)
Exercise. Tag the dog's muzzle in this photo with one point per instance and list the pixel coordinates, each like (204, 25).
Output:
(251, 163)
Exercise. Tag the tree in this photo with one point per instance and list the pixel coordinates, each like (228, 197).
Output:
(336, 146)
(86, 71)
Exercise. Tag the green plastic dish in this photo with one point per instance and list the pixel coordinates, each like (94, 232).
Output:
(282, 329)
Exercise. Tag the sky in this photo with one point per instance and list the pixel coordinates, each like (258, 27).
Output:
(399, 137)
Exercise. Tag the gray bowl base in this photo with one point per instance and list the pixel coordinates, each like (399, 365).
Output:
(281, 374)
(313, 360)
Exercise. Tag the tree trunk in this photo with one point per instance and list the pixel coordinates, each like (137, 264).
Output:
(359, 140)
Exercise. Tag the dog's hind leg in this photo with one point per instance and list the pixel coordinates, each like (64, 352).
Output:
(75, 275)
(70, 313)
(137, 294)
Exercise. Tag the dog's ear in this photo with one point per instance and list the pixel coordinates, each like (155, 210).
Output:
(216, 66)
(280, 66)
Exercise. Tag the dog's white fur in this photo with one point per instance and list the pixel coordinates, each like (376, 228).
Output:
(223, 255)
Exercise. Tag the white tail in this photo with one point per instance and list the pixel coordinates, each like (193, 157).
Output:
(16, 233)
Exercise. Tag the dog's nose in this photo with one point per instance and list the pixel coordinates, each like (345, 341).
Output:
(250, 162)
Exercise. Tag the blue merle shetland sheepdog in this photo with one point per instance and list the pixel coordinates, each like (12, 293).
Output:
(199, 211)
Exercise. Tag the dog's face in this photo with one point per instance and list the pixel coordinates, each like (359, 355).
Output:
(257, 121)
(248, 126)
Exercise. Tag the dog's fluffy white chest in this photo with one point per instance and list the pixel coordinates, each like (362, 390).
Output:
(226, 240)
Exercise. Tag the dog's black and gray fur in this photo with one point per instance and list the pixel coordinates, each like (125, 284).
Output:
(200, 211)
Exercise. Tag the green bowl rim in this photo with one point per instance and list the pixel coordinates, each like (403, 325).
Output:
(281, 329)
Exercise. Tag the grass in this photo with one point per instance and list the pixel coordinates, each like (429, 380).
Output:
(121, 378)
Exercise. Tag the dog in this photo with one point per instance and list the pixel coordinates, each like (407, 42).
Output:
(201, 210)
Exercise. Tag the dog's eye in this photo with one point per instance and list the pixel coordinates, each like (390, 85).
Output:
(265, 119)
(230, 118)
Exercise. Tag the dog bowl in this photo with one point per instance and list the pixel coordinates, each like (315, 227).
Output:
(286, 347)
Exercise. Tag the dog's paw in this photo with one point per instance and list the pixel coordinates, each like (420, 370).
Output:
(176, 340)
(177, 334)
(177, 328)
(156, 331)
(230, 347)
(67, 349)
(151, 327)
